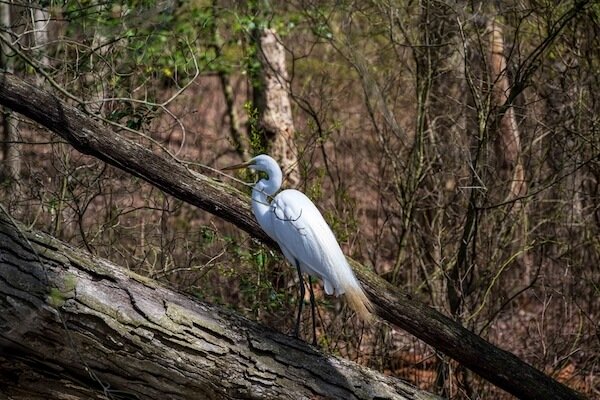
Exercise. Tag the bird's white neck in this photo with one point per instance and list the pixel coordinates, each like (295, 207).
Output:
(263, 189)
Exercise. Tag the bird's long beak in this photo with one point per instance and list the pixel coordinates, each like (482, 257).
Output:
(237, 166)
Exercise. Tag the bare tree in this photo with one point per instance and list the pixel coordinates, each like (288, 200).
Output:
(509, 141)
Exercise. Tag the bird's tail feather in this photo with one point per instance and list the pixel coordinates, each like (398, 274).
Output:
(358, 301)
(345, 282)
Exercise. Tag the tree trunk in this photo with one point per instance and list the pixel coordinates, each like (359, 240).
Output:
(10, 148)
(498, 366)
(41, 21)
(66, 318)
(273, 102)
(508, 142)
(239, 139)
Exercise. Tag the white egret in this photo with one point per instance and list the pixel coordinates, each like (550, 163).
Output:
(305, 239)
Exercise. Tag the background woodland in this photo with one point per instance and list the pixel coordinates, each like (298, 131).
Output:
(452, 146)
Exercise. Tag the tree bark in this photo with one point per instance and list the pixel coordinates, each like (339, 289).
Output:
(498, 366)
(10, 148)
(508, 143)
(273, 102)
(81, 325)
(41, 21)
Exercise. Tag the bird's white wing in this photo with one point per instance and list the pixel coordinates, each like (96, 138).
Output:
(304, 236)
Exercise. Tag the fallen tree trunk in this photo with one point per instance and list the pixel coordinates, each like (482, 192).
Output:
(500, 367)
(63, 313)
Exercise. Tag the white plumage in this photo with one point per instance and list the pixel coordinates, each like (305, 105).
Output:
(303, 235)
(305, 239)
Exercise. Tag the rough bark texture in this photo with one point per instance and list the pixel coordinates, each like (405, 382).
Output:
(498, 366)
(274, 104)
(70, 320)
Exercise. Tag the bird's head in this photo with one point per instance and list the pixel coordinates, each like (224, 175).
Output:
(261, 162)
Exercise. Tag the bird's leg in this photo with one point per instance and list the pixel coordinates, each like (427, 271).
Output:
(300, 300)
(312, 306)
